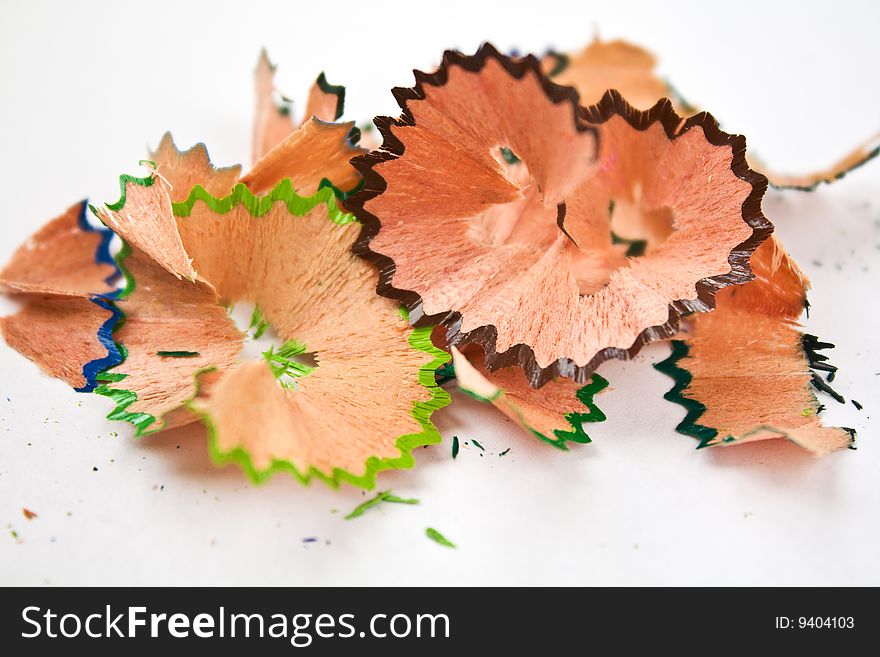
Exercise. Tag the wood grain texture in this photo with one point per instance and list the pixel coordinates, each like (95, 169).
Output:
(748, 365)
(60, 258)
(518, 257)
(183, 170)
(300, 272)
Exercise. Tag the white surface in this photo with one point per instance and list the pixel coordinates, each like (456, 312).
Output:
(84, 89)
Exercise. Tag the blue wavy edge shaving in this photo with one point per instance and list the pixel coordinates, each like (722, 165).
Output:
(103, 256)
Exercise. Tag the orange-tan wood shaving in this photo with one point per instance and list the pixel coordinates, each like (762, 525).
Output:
(146, 222)
(164, 313)
(604, 65)
(808, 181)
(468, 238)
(321, 104)
(59, 259)
(271, 124)
(748, 363)
(629, 68)
(57, 333)
(183, 170)
(299, 271)
(533, 410)
(313, 152)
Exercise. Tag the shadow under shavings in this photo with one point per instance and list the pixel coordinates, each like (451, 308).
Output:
(778, 455)
(185, 452)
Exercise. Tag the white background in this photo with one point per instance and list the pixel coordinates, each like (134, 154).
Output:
(86, 86)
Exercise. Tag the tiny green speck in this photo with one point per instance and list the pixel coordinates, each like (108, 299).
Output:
(454, 446)
(178, 354)
(437, 537)
(636, 247)
(509, 156)
(477, 445)
(384, 496)
(399, 500)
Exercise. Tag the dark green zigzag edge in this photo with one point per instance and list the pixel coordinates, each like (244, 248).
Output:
(707, 436)
(337, 90)
(682, 378)
(576, 420)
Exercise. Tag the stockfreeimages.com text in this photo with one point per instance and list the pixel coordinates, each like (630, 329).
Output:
(299, 629)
